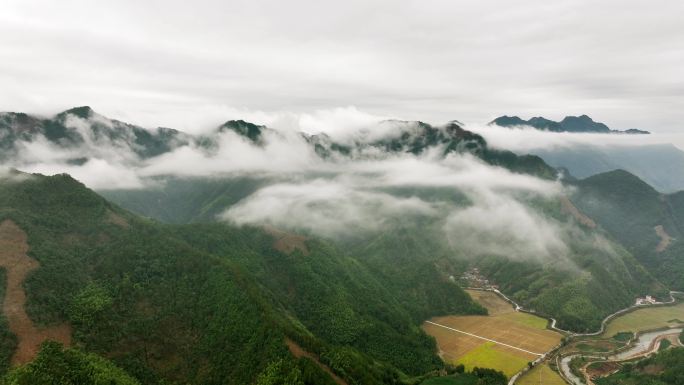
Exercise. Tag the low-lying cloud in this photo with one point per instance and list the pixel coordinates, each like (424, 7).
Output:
(327, 208)
(497, 224)
(525, 138)
(477, 208)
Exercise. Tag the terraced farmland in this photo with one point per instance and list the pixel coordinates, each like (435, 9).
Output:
(505, 340)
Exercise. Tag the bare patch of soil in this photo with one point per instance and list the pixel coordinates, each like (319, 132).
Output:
(117, 219)
(569, 208)
(287, 242)
(602, 369)
(665, 238)
(16, 262)
(298, 352)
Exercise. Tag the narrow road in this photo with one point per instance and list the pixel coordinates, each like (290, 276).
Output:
(553, 323)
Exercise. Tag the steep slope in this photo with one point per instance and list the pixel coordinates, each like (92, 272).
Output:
(595, 277)
(338, 298)
(186, 200)
(640, 218)
(133, 293)
(396, 256)
(210, 303)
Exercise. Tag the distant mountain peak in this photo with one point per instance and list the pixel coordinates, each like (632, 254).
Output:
(243, 128)
(582, 123)
(83, 112)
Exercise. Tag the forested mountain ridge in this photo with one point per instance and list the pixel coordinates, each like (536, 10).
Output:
(278, 241)
(210, 303)
(81, 128)
(650, 224)
(187, 199)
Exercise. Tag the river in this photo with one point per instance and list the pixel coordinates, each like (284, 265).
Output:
(643, 345)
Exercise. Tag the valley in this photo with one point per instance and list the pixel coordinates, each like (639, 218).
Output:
(628, 337)
(505, 340)
(635, 334)
(341, 193)
(497, 341)
(249, 275)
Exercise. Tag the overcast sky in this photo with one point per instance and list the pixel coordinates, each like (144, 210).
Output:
(186, 64)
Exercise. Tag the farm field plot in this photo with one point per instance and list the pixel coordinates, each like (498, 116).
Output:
(541, 375)
(495, 305)
(646, 319)
(506, 340)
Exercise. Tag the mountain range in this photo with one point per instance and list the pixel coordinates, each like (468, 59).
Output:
(582, 123)
(319, 272)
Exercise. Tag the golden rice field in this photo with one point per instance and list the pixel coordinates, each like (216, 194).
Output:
(646, 319)
(504, 326)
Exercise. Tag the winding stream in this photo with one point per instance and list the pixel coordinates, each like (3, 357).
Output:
(645, 344)
(642, 346)
(565, 368)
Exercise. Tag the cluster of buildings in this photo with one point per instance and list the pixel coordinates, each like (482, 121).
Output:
(473, 278)
(648, 300)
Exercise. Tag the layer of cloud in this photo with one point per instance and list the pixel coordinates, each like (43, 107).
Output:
(433, 60)
(525, 139)
(500, 225)
(327, 208)
(280, 152)
(99, 161)
(478, 208)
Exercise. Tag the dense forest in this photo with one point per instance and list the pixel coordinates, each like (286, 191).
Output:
(630, 211)
(211, 303)
(601, 276)
(166, 293)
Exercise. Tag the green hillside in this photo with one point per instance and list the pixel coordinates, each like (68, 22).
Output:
(595, 280)
(409, 255)
(210, 303)
(630, 210)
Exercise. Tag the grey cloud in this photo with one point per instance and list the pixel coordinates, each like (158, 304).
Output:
(525, 139)
(618, 61)
(468, 202)
(326, 208)
(500, 225)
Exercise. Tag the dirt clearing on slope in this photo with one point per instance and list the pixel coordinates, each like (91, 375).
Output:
(665, 238)
(17, 264)
(287, 242)
(569, 208)
(298, 352)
